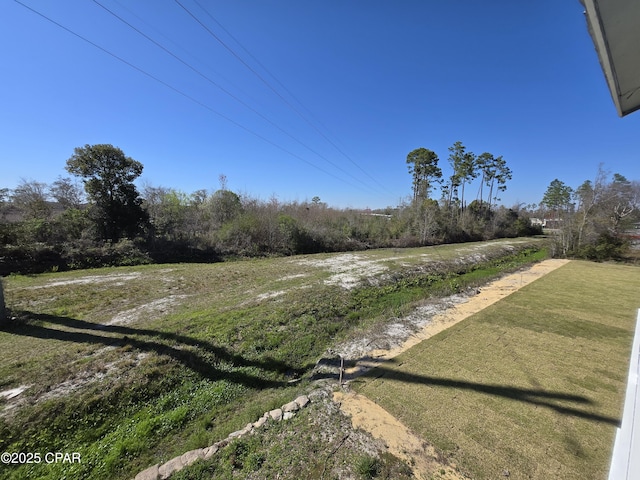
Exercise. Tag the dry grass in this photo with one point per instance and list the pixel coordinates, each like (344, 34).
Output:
(532, 385)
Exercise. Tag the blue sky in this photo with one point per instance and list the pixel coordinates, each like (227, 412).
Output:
(359, 85)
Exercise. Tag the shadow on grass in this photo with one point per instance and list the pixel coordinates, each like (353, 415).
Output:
(198, 355)
(538, 397)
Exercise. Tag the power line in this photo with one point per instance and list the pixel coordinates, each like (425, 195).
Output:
(238, 57)
(269, 85)
(252, 56)
(159, 32)
(208, 79)
(180, 92)
(144, 22)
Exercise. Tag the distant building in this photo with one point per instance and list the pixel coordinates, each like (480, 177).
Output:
(546, 222)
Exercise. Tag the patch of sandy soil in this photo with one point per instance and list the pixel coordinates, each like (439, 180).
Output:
(81, 379)
(161, 305)
(291, 277)
(348, 269)
(371, 417)
(157, 307)
(268, 295)
(118, 278)
(13, 392)
(367, 349)
(13, 398)
(85, 377)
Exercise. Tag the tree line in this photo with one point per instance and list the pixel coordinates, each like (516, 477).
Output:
(98, 217)
(452, 217)
(597, 220)
(465, 167)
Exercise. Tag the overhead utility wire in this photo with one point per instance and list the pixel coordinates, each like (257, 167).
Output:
(144, 22)
(188, 53)
(252, 70)
(271, 87)
(191, 67)
(254, 58)
(180, 92)
(178, 46)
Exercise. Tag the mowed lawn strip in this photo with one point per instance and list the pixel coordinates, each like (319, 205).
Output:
(532, 386)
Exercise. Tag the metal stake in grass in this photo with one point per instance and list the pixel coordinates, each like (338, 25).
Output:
(341, 369)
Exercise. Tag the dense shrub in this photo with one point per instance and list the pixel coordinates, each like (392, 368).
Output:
(607, 247)
(29, 258)
(197, 228)
(125, 252)
(163, 250)
(40, 257)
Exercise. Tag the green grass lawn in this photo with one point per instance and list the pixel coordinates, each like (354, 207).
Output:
(532, 385)
(131, 366)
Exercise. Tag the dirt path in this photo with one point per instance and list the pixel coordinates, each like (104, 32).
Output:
(369, 416)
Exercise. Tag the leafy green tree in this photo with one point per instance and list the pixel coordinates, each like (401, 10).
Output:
(484, 163)
(168, 211)
(464, 168)
(502, 174)
(587, 196)
(71, 225)
(557, 196)
(494, 174)
(423, 166)
(225, 205)
(108, 175)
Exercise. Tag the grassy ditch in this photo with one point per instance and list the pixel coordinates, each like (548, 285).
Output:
(398, 297)
(531, 386)
(132, 366)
